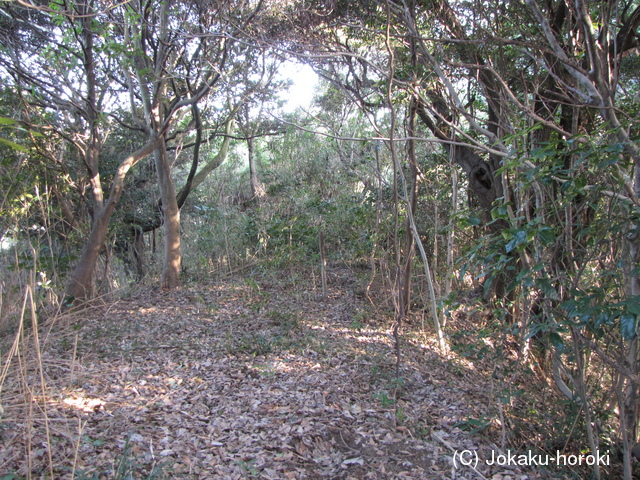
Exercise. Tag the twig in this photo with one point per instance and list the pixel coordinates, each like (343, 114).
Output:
(73, 362)
(36, 341)
(75, 453)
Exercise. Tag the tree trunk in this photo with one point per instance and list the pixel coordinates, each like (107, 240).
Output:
(630, 410)
(80, 282)
(450, 229)
(139, 253)
(171, 224)
(405, 279)
(257, 190)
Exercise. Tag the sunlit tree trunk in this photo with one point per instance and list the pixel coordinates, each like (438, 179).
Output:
(171, 225)
(257, 189)
(80, 282)
(153, 89)
(79, 285)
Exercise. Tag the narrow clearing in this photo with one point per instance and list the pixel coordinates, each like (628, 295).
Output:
(242, 379)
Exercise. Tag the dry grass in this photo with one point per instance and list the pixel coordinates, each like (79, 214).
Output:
(235, 379)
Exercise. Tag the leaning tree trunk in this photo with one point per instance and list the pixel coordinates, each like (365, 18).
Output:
(194, 179)
(80, 282)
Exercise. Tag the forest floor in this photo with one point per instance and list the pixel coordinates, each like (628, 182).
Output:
(242, 378)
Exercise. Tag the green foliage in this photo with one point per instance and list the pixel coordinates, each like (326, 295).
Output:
(469, 343)
(255, 344)
(248, 468)
(474, 425)
(599, 220)
(384, 399)
(557, 246)
(287, 321)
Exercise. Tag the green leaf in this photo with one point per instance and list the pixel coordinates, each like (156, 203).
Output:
(473, 220)
(546, 287)
(628, 326)
(499, 212)
(633, 306)
(615, 148)
(473, 425)
(604, 318)
(580, 182)
(13, 145)
(519, 237)
(556, 341)
(542, 152)
(547, 237)
(524, 277)
(6, 121)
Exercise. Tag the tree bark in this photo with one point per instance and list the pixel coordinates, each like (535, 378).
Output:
(257, 190)
(450, 229)
(192, 182)
(171, 216)
(405, 279)
(80, 282)
(139, 253)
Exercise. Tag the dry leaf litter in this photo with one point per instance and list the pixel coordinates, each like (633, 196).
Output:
(240, 380)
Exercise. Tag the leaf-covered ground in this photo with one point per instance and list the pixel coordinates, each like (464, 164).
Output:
(242, 379)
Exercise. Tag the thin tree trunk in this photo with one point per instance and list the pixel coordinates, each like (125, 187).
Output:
(139, 253)
(454, 209)
(405, 280)
(629, 411)
(80, 284)
(257, 191)
(171, 224)
(436, 229)
(378, 220)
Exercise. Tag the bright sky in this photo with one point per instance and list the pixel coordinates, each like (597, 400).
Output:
(304, 82)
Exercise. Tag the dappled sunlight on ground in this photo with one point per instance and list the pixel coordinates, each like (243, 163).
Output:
(241, 380)
(84, 403)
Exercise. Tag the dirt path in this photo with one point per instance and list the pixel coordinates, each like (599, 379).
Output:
(241, 380)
